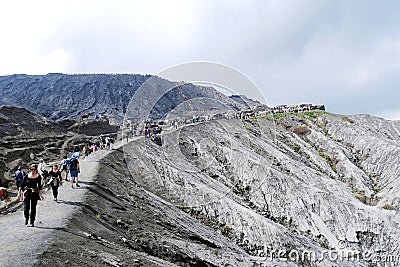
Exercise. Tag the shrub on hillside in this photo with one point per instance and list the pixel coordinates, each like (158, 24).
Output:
(347, 119)
(387, 207)
(301, 130)
(361, 197)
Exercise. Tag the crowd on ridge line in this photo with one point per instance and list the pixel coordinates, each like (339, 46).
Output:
(148, 128)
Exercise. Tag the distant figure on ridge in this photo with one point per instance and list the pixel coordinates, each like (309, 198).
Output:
(86, 116)
(111, 143)
(101, 141)
(86, 151)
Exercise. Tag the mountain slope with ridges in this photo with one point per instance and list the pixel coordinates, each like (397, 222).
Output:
(60, 96)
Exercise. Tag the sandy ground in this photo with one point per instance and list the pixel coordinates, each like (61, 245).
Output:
(21, 244)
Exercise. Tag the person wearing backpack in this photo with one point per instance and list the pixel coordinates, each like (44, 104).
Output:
(74, 169)
(19, 177)
(64, 167)
(55, 180)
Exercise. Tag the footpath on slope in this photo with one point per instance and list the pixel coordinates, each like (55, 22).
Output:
(21, 244)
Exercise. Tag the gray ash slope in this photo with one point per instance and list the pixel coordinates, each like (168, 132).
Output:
(60, 96)
(302, 183)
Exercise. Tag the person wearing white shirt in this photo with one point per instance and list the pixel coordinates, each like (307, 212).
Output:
(42, 168)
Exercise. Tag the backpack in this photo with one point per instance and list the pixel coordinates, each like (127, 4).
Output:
(19, 176)
(73, 165)
(64, 162)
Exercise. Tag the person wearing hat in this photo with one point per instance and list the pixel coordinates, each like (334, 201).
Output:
(30, 192)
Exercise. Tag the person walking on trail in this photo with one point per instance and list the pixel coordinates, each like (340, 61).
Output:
(42, 168)
(74, 170)
(55, 180)
(85, 151)
(101, 141)
(77, 149)
(140, 130)
(107, 140)
(19, 177)
(64, 167)
(30, 192)
(111, 143)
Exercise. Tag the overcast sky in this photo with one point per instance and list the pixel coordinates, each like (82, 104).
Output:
(345, 54)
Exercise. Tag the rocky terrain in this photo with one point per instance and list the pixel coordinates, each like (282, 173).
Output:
(61, 96)
(313, 182)
(26, 137)
(245, 193)
(305, 189)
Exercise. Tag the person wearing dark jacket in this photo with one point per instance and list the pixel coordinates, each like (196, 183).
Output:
(30, 192)
(55, 180)
(19, 177)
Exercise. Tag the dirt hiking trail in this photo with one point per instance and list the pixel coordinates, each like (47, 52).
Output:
(21, 244)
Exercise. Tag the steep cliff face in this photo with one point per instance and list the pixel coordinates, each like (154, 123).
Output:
(311, 182)
(65, 96)
(60, 96)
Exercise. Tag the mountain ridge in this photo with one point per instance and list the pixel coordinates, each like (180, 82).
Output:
(61, 96)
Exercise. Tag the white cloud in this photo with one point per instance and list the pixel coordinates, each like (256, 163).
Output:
(390, 114)
(331, 52)
(57, 60)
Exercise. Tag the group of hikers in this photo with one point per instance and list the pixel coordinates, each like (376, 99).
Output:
(30, 185)
(149, 128)
(106, 142)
